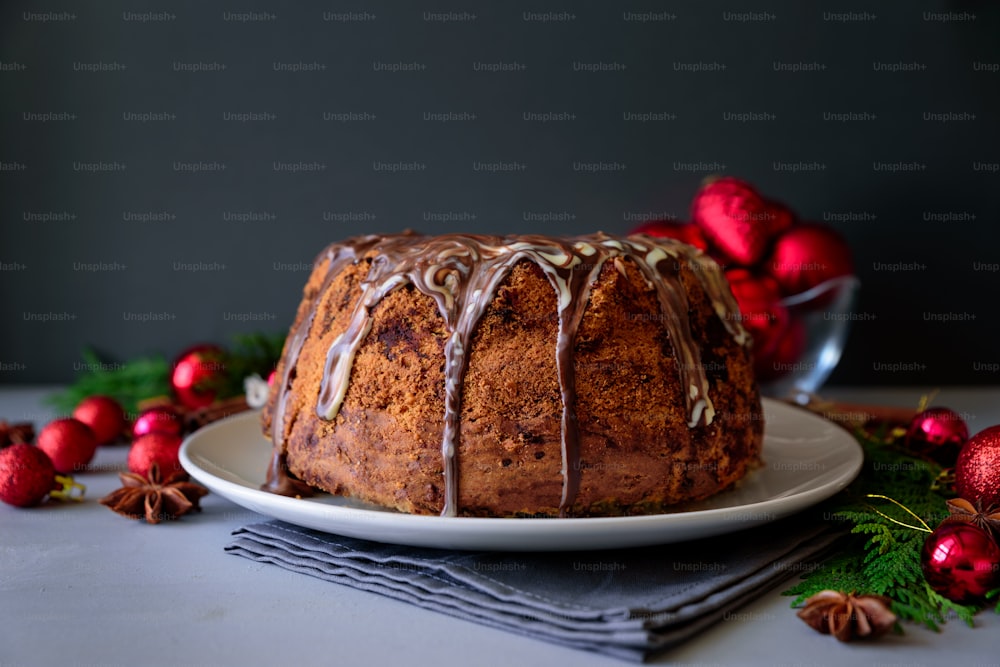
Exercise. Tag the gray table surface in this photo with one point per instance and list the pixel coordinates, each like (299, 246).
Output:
(81, 586)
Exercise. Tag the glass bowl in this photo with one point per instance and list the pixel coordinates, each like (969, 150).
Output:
(825, 312)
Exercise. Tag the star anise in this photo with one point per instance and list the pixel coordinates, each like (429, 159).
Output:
(848, 617)
(155, 500)
(962, 510)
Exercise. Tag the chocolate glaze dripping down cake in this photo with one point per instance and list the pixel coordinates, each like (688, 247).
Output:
(463, 276)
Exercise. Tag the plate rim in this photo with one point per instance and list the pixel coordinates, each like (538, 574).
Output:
(469, 530)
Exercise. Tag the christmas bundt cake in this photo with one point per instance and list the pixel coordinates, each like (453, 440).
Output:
(513, 376)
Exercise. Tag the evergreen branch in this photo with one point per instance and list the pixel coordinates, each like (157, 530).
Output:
(148, 377)
(128, 383)
(923, 524)
(881, 553)
(994, 594)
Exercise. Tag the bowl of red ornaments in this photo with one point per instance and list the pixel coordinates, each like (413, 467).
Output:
(793, 281)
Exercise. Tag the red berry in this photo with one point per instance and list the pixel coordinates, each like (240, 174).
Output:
(162, 419)
(69, 443)
(104, 415)
(736, 220)
(159, 448)
(26, 475)
(670, 229)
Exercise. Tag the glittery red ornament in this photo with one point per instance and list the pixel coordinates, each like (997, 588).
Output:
(938, 433)
(961, 562)
(977, 471)
(197, 374)
(26, 475)
(69, 443)
(161, 419)
(682, 231)
(104, 415)
(806, 255)
(737, 220)
(159, 448)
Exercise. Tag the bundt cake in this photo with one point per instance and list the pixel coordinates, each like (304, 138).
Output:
(513, 376)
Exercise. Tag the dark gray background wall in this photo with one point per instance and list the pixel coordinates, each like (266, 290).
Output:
(168, 171)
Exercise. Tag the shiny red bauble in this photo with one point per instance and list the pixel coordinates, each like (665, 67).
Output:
(685, 232)
(805, 256)
(754, 294)
(161, 419)
(26, 475)
(961, 562)
(197, 375)
(736, 220)
(104, 415)
(977, 470)
(159, 448)
(778, 340)
(69, 443)
(937, 433)
(784, 353)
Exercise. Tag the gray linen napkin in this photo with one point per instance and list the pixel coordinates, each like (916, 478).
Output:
(630, 603)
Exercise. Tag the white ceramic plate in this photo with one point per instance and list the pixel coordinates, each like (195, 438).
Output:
(807, 459)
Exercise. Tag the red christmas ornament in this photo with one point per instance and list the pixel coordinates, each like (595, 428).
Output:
(961, 562)
(737, 220)
(977, 471)
(69, 443)
(161, 419)
(159, 448)
(778, 340)
(938, 433)
(807, 255)
(782, 357)
(27, 476)
(670, 229)
(104, 415)
(198, 372)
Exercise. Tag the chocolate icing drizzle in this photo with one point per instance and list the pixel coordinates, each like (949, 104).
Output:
(462, 272)
(337, 257)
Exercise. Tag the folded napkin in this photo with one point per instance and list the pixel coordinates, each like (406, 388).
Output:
(630, 603)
